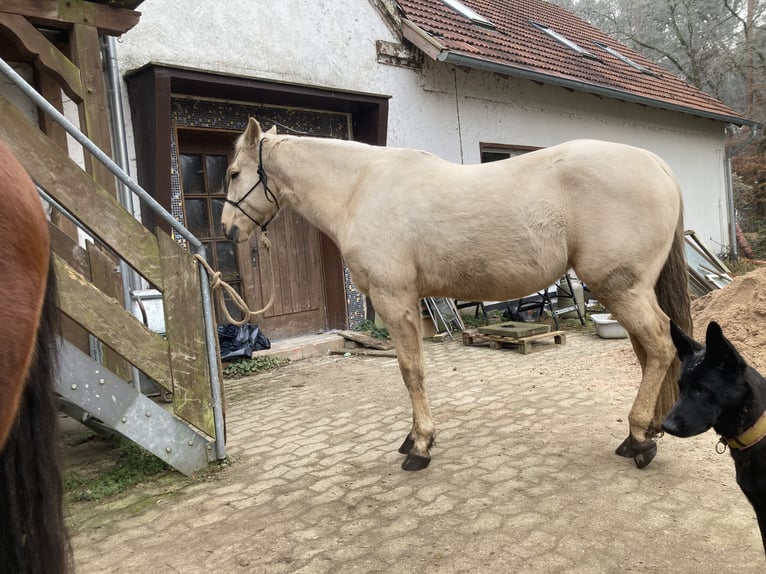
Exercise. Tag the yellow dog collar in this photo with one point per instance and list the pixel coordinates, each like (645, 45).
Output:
(751, 436)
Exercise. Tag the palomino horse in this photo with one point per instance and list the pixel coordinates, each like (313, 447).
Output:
(32, 533)
(411, 225)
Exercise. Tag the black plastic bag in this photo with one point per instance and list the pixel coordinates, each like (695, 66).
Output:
(240, 341)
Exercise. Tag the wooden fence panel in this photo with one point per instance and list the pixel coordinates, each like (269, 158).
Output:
(185, 330)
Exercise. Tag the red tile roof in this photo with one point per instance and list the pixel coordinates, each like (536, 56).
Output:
(517, 48)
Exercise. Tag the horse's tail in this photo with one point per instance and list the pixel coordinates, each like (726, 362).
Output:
(672, 290)
(33, 537)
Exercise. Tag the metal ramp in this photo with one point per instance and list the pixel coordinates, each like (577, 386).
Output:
(101, 400)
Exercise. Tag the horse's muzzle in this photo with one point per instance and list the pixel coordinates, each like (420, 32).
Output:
(231, 233)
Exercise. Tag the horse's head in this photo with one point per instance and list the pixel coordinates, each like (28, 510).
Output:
(250, 201)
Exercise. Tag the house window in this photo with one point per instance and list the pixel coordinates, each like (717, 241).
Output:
(561, 39)
(496, 152)
(472, 15)
(202, 180)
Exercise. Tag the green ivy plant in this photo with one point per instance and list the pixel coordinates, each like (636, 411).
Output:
(374, 331)
(245, 367)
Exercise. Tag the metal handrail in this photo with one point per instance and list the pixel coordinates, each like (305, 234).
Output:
(156, 207)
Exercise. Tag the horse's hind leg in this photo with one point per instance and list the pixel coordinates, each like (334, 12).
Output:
(401, 314)
(649, 328)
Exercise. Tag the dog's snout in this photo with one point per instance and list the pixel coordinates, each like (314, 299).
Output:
(670, 426)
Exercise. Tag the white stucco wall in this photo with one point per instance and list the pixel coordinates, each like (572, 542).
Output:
(326, 43)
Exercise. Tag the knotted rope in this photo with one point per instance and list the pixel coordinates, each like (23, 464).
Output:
(218, 286)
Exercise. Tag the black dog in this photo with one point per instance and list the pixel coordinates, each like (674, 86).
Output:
(720, 390)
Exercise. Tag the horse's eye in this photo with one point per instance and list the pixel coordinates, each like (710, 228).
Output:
(234, 175)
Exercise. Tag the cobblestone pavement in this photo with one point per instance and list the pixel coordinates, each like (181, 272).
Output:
(523, 478)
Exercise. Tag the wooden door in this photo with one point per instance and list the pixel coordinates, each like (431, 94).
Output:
(299, 298)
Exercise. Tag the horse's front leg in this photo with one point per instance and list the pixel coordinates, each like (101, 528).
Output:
(402, 318)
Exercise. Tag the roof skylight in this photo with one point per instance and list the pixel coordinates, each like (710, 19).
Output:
(472, 15)
(561, 39)
(625, 59)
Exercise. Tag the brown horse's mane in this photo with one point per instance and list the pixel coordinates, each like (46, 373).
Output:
(33, 537)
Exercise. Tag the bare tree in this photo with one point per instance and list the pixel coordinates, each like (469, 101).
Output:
(717, 45)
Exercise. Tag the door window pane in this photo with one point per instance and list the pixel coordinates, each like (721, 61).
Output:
(192, 175)
(227, 260)
(234, 311)
(197, 217)
(216, 172)
(217, 209)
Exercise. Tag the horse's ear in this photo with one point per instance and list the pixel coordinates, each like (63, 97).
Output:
(272, 130)
(252, 133)
(719, 350)
(685, 345)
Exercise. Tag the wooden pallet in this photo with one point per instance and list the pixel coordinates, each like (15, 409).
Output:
(514, 329)
(522, 344)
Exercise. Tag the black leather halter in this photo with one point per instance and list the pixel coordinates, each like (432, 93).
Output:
(262, 179)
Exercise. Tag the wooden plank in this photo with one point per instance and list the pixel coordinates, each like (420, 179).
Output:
(107, 19)
(105, 276)
(366, 340)
(49, 88)
(93, 110)
(364, 352)
(44, 53)
(108, 321)
(185, 330)
(63, 179)
(66, 248)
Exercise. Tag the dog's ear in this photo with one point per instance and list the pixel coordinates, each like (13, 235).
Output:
(719, 350)
(685, 345)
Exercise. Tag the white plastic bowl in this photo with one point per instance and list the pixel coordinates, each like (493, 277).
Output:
(608, 328)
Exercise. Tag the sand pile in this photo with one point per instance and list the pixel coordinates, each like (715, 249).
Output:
(740, 309)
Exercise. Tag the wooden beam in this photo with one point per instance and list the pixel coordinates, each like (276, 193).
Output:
(66, 248)
(45, 54)
(91, 204)
(66, 13)
(108, 321)
(105, 276)
(94, 112)
(50, 89)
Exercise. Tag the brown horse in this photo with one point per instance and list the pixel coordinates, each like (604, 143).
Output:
(32, 535)
(411, 225)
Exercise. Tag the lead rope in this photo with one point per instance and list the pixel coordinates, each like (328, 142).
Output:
(218, 286)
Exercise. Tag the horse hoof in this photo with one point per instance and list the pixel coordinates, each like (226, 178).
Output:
(624, 449)
(409, 442)
(416, 461)
(407, 445)
(642, 452)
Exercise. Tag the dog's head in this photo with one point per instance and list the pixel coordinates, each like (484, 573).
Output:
(711, 384)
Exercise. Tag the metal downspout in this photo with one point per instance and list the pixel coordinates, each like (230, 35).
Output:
(152, 203)
(130, 279)
(730, 153)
